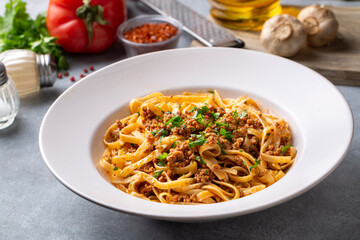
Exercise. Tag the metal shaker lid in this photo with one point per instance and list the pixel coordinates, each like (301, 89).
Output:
(3, 75)
(47, 70)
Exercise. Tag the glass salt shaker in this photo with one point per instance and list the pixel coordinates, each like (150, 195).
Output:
(9, 99)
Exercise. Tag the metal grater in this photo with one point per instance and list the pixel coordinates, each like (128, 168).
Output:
(196, 25)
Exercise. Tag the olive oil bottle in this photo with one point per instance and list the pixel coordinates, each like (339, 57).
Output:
(244, 14)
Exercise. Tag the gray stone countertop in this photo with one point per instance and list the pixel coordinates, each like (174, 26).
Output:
(35, 205)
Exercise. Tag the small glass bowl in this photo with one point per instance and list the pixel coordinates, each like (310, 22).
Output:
(133, 48)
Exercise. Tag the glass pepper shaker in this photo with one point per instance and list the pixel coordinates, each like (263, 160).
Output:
(29, 71)
(9, 99)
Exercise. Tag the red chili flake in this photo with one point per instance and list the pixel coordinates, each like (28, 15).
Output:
(151, 33)
(60, 75)
(72, 79)
(82, 75)
(91, 68)
(85, 70)
(66, 74)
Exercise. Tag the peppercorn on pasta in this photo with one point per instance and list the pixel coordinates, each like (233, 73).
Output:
(196, 148)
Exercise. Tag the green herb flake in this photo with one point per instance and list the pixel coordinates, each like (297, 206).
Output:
(221, 124)
(243, 114)
(211, 91)
(268, 134)
(161, 163)
(116, 168)
(158, 173)
(203, 109)
(200, 159)
(223, 152)
(207, 171)
(175, 121)
(174, 144)
(200, 140)
(162, 156)
(257, 161)
(215, 116)
(193, 109)
(227, 134)
(162, 132)
(160, 109)
(235, 114)
(240, 150)
(285, 148)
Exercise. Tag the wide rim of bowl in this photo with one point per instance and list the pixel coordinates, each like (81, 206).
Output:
(160, 18)
(194, 216)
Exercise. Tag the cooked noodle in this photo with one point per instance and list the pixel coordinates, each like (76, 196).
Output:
(196, 148)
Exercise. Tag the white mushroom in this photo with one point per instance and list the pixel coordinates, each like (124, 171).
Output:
(283, 35)
(320, 24)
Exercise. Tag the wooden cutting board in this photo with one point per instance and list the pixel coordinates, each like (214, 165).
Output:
(339, 62)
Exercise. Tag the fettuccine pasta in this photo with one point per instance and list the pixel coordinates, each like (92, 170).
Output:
(196, 148)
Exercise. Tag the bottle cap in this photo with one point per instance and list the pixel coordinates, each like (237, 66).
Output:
(3, 75)
(47, 70)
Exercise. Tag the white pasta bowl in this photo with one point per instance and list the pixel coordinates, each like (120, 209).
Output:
(71, 133)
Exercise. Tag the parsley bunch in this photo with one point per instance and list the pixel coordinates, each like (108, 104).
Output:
(19, 31)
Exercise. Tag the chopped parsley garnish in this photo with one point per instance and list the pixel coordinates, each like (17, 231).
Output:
(235, 114)
(215, 116)
(200, 119)
(268, 134)
(193, 109)
(227, 134)
(175, 121)
(161, 163)
(223, 152)
(244, 163)
(162, 156)
(203, 110)
(257, 161)
(158, 173)
(240, 150)
(162, 132)
(207, 171)
(221, 124)
(285, 148)
(211, 91)
(200, 159)
(160, 109)
(243, 114)
(138, 113)
(218, 142)
(179, 106)
(174, 144)
(116, 168)
(200, 140)
(198, 116)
